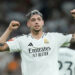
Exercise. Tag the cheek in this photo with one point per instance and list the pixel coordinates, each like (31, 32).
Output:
(42, 23)
(29, 24)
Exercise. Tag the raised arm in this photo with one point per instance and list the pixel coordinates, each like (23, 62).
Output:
(73, 15)
(12, 26)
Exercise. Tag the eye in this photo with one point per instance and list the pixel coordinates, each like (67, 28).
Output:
(33, 19)
(39, 19)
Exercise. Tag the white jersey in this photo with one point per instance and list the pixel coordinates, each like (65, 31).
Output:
(39, 57)
(66, 61)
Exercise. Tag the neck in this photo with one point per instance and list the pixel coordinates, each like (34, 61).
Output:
(37, 35)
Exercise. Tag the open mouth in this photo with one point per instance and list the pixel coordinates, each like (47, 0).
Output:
(37, 27)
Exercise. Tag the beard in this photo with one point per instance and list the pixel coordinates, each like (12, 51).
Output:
(36, 30)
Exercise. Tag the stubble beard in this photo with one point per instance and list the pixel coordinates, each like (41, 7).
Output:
(37, 30)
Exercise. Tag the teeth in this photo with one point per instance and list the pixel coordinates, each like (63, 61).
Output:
(36, 26)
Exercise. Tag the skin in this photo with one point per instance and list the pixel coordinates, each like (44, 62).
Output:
(73, 13)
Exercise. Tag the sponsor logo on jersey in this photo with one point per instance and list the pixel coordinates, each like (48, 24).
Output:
(30, 44)
(38, 52)
(45, 40)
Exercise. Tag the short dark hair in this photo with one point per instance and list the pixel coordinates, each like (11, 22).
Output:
(33, 13)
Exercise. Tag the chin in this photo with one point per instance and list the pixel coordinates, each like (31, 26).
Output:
(36, 30)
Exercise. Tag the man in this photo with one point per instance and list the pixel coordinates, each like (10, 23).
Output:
(66, 61)
(39, 50)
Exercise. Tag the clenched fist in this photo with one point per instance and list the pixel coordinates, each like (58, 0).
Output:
(14, 25)
(73, 13)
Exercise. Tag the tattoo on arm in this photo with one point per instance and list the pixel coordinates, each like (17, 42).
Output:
(4, 47)
(1, 44)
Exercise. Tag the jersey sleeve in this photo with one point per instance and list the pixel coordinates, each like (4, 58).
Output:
(60, 39)
(63, 39)
(14, 45)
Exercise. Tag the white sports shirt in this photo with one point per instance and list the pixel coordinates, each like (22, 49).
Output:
(66, 61)
(39, 57)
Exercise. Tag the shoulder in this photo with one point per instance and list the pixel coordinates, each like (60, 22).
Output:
(23, 36)
(55, 34)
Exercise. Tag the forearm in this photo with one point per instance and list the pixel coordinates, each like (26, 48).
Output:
(4, 47)
(6, 34)
(73, 15)
(12, 26)
(73, 38)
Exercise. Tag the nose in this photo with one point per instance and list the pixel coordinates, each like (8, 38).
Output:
(36, 22)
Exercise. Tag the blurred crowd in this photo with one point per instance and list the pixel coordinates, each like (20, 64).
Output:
(56, 14)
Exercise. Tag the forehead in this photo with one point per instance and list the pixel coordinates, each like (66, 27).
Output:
(35, 16)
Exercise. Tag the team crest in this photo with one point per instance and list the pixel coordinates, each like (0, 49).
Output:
(45, 40)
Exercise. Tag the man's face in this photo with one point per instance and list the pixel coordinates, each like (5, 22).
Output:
(35, 23)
